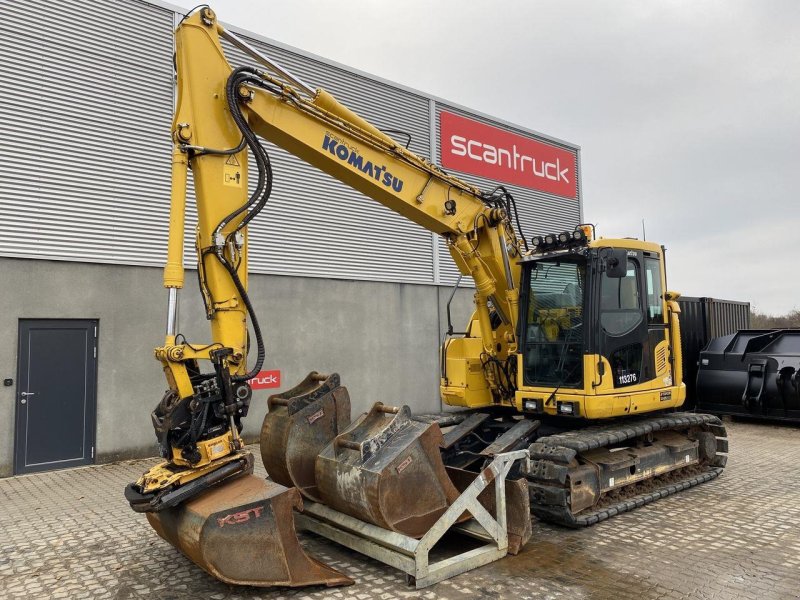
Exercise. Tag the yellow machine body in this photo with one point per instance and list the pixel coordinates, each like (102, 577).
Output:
(598, 398)
(313, 126)
(529, 350)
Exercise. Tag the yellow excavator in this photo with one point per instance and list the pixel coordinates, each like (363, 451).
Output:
(573, 350)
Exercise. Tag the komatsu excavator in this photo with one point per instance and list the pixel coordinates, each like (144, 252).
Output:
(573, 350)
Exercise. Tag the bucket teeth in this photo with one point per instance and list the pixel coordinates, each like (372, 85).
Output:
(299, 424)
(387, 469)
(243, 533)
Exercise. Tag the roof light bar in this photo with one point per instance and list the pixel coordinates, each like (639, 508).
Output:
(564, 240)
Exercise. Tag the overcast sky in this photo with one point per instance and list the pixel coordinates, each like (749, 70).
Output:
(687, 113)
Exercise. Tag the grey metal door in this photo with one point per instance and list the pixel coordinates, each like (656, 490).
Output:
(56, 394)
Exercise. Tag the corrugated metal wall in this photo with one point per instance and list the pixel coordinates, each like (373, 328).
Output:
(85, 112)
(726, 316)
(85, 154)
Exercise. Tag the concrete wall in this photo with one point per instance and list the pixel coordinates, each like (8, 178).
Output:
(382, 338)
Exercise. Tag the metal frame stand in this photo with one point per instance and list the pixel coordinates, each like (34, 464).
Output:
(411, 555)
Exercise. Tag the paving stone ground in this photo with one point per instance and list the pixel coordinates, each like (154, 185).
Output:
(71, 534)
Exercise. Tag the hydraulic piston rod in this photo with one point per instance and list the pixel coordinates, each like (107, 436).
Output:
(172, 312)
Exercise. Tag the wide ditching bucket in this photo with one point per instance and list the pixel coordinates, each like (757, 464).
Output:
(300, 423)
(243, 533)
(387, 469)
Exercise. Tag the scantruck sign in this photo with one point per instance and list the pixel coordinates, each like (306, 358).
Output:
(479, 149)
(266, 379)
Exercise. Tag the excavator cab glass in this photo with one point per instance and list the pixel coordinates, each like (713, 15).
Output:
(575, 304)
(553, 335)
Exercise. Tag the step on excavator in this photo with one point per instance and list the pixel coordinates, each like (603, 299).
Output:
(572, 354)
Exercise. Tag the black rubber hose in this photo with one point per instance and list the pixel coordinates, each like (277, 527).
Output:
(260, 350)
(264, 184)
(259, 198)
(513, 202)
(227, 152)
(510, 206)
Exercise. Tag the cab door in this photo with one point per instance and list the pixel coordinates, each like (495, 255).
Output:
(656, 347)
(632, 322)
(623, 324)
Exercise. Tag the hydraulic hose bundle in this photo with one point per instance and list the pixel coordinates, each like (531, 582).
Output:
(252, 207)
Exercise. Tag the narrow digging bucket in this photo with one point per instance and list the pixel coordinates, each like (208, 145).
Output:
(299, 424)
(243, 533)
(518, 509)
(387, 469)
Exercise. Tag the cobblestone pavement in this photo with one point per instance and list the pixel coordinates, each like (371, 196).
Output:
(71, 534)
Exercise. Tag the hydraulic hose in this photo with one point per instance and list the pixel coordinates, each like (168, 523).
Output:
(257, 201)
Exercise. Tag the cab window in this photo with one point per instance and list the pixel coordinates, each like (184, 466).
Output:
(655, 306)
(620, 302)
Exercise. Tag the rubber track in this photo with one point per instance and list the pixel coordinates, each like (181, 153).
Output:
(551, 455)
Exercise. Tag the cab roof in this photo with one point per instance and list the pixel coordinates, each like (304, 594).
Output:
(629, 243)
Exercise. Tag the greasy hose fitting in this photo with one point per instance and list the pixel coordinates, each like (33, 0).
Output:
(496, 215)
(208, 16)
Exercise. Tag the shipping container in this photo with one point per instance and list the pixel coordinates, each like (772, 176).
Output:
(702, 320)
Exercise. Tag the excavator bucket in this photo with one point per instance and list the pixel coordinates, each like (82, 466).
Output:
(387, 469)
(300, 423)
(243, 533)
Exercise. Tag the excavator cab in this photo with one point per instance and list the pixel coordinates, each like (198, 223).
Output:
(594, 326)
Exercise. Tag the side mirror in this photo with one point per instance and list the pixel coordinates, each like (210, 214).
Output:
(617, 263)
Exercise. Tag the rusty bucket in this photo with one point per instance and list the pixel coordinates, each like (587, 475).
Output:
(299, 424)
(387, 469)
(243, 533)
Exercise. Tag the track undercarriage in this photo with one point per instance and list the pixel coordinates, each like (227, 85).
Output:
(583, 476)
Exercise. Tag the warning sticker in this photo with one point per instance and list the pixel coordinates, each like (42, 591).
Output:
(316, 416)
(232, 172)
(401, 467)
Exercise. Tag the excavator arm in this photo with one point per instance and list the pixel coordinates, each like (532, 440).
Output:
(219, 116)
(219, 107)
(202, 486)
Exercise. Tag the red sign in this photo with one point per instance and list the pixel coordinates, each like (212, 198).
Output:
(479, 149)
(266, 379)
